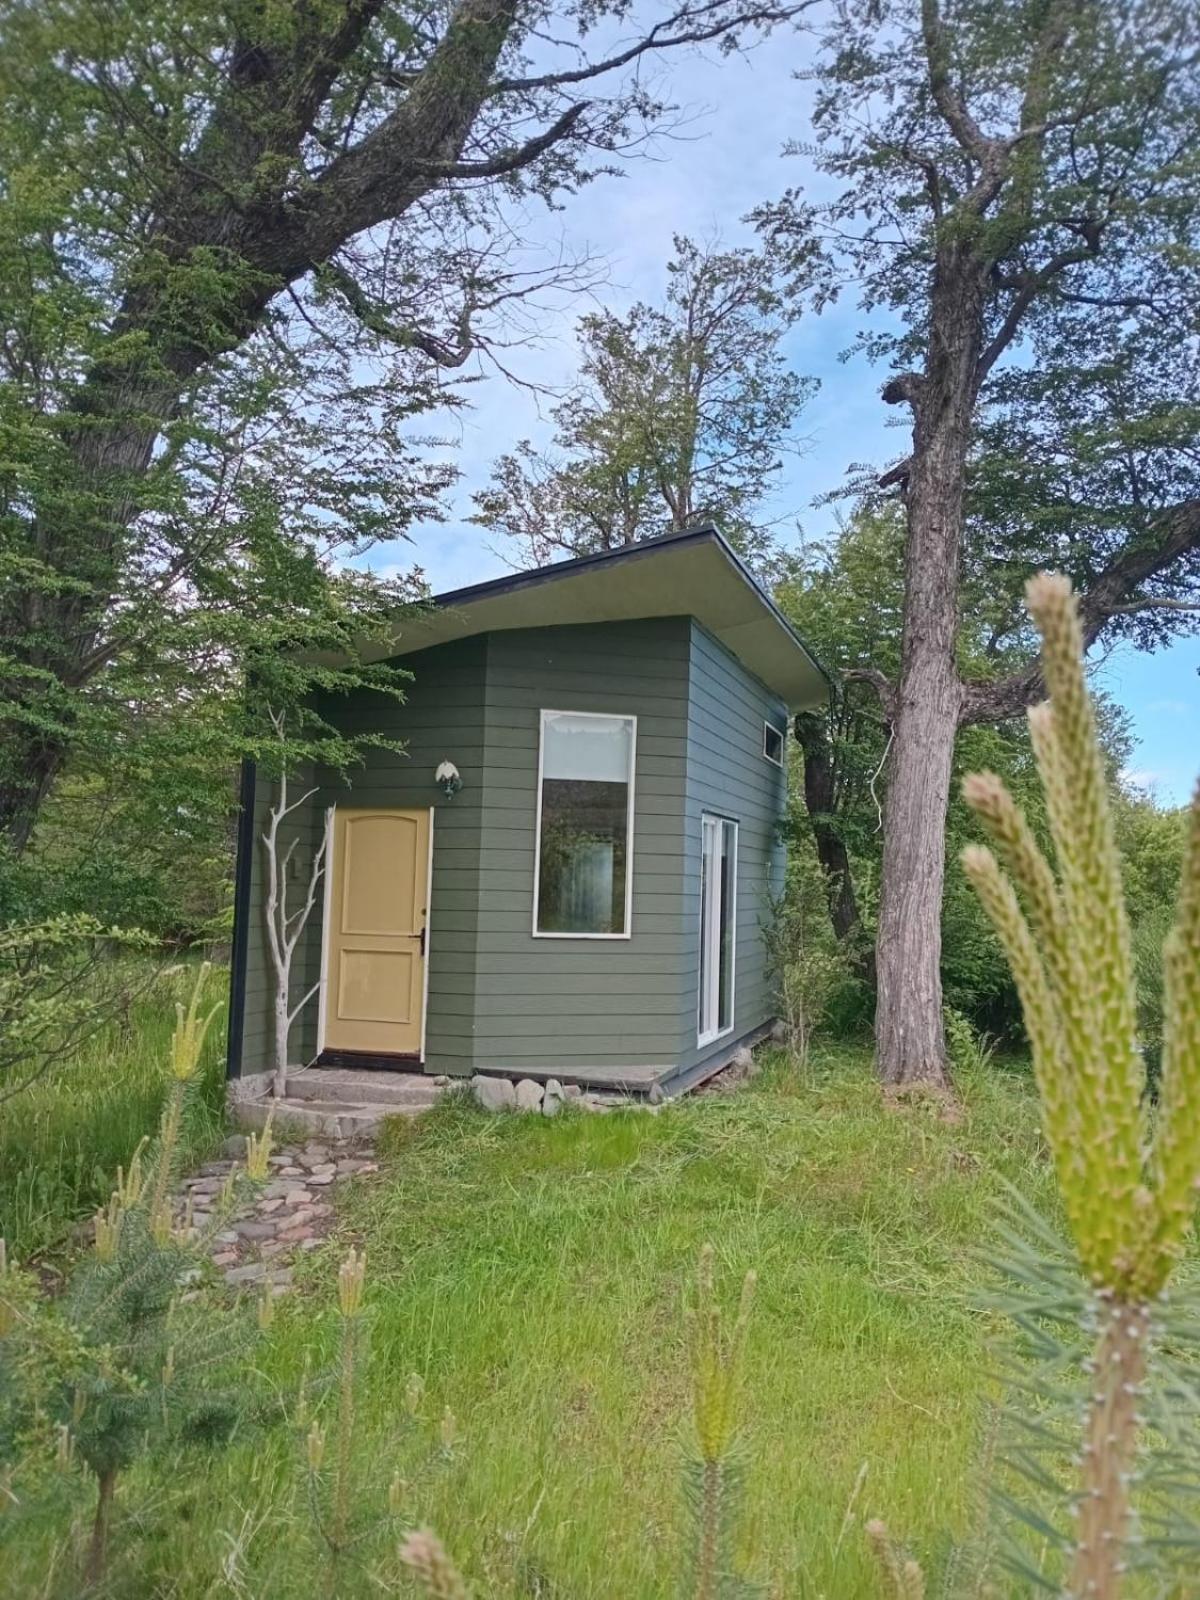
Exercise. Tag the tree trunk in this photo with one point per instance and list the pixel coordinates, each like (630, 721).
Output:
(97, 1551)
(909, 1035)
(820, 800)
(33, 762)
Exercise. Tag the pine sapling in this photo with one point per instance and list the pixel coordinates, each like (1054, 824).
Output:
(118, 1365)
(1128, 1188)
(717, 1360)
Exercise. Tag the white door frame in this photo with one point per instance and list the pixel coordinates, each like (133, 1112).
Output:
(713, 911)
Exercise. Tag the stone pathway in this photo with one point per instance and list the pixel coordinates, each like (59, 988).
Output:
(287, 1216)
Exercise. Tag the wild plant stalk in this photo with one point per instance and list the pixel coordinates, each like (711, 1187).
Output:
(423, 1555)
(900, 1576)
(717, 1361)
(1128, 1188)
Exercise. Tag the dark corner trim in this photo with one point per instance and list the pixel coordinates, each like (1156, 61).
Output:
(239, 954)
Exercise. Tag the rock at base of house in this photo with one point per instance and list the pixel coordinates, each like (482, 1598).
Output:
(553, 1099)
(529, 1095)
(780, 1032)
(234, 1148)
(494, 1094)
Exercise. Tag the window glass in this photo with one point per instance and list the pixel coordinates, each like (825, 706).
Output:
(718, 926)
(585, 824)
(773, 744)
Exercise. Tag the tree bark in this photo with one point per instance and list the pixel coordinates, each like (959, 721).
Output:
(909, 1034)
(97, 1551)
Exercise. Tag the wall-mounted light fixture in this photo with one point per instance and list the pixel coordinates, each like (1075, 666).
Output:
(448, 779)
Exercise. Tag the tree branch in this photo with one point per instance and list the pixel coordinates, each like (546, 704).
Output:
(659, 37)
(512, 160)
(946, 97)
(1139, 562)
(881, 684)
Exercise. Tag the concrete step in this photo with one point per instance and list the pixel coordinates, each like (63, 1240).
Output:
(329, 1119)
(334, 1085)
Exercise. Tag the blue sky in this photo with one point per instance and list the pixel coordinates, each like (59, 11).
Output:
(741, 112)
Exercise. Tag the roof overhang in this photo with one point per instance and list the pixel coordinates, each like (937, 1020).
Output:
(688, 574)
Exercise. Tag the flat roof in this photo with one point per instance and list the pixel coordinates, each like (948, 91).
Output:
(695, 573)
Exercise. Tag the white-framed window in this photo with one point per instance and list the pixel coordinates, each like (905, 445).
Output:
(718, 927)
(583, 873)
(773, 742)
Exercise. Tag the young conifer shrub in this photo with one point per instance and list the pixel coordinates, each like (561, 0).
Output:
(120, 1365)
(1127, 1178)
(346, 1516)
(713, 1475)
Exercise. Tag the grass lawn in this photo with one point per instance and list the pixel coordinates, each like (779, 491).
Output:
(532, 1273)
(62, 1140)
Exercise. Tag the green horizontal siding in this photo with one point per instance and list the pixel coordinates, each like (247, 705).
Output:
(728, 775)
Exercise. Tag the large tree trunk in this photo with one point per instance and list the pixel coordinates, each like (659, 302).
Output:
(909, 1035)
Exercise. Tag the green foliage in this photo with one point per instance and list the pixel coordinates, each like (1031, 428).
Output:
(63, 1138)
(1128, 1190)
(119, 1364)
(812, 977)
(970, 1051)
(61, 981)
(681, 416)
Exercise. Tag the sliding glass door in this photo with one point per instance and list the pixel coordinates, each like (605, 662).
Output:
(718, 926)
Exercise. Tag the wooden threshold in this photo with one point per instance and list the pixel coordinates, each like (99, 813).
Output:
(369, 1061)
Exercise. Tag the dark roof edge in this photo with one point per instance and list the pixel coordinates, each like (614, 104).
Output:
(631, 552)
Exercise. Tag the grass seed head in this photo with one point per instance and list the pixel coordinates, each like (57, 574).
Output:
(422, 1553)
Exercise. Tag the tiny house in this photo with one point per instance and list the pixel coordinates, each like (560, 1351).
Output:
(567, 871)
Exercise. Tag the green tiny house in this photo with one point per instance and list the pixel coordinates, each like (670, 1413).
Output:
(587, 903)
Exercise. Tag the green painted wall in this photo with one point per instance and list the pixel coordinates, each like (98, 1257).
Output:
(729, 776)
(498, 996)
(580, 1003)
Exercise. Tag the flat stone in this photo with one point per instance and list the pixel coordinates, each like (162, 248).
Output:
(494, 1094)
(271, 1249)
(294, 1171)
(529, 1095)
(573, 1091)
(297, 1197)
(254, 1230)
(227, 1236)
(252, 1272)
(299, 1219)
(311, 1243)
(266, 1207)
(296, 1235)
(225, 1258)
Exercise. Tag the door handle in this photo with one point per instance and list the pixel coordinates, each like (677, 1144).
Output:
(421, 936)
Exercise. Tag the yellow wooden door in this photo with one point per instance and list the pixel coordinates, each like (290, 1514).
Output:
(378, 909)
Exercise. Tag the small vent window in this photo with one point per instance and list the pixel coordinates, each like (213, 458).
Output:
(773, 743)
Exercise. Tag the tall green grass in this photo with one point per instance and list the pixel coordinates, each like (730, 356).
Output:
(62, 1139)
(532, 1274)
